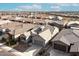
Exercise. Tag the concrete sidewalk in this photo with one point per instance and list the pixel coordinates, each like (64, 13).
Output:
(11, 50)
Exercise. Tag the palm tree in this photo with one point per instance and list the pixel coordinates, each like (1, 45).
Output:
(22, 37)
(8, 39)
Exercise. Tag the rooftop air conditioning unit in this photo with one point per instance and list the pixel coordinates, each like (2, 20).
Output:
(38, 30)
(42, 28)
(3, 30)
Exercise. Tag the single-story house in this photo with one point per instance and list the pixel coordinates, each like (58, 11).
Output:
(57, 23)
(17, 29)
(73, 24)
(43, 34)
(65, 39)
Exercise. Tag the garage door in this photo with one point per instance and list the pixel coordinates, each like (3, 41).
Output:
(60, 47)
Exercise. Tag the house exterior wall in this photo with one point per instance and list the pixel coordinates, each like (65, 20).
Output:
(38, 40)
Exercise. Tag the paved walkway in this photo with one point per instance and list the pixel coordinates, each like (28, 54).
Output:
(9, 51)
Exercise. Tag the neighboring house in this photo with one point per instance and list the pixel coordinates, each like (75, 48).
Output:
(17, 29)
(4, 33)
(25, 37)
(51, 17)
(58, 18)
(4, 22)
(73, 24)
(64, 40)
(74, 49)
(57, 22)
(43, 34)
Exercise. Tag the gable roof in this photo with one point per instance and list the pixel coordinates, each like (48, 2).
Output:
(57, 22)
(43, 28)
(76, 32)
(46, 35)
(73, 22)
(37, 37)
(51, 28)
(66, 36)
(63, 39)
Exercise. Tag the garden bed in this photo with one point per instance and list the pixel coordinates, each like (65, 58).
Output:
(21, 46)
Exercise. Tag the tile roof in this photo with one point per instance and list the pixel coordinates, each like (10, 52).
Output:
(18, 28)
(75, 47)
(46, 33)
(66, 36)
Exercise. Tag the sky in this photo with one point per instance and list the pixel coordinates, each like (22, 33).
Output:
(39, 6)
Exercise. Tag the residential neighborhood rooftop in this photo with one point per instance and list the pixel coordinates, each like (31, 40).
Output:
(31, 34)
(66, 36)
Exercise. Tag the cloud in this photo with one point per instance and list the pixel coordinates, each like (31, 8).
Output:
(68, 4)
(55, 8)
(64, 4)
(60, 6)
(30, 7)
(75, 4)
(45, 7)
